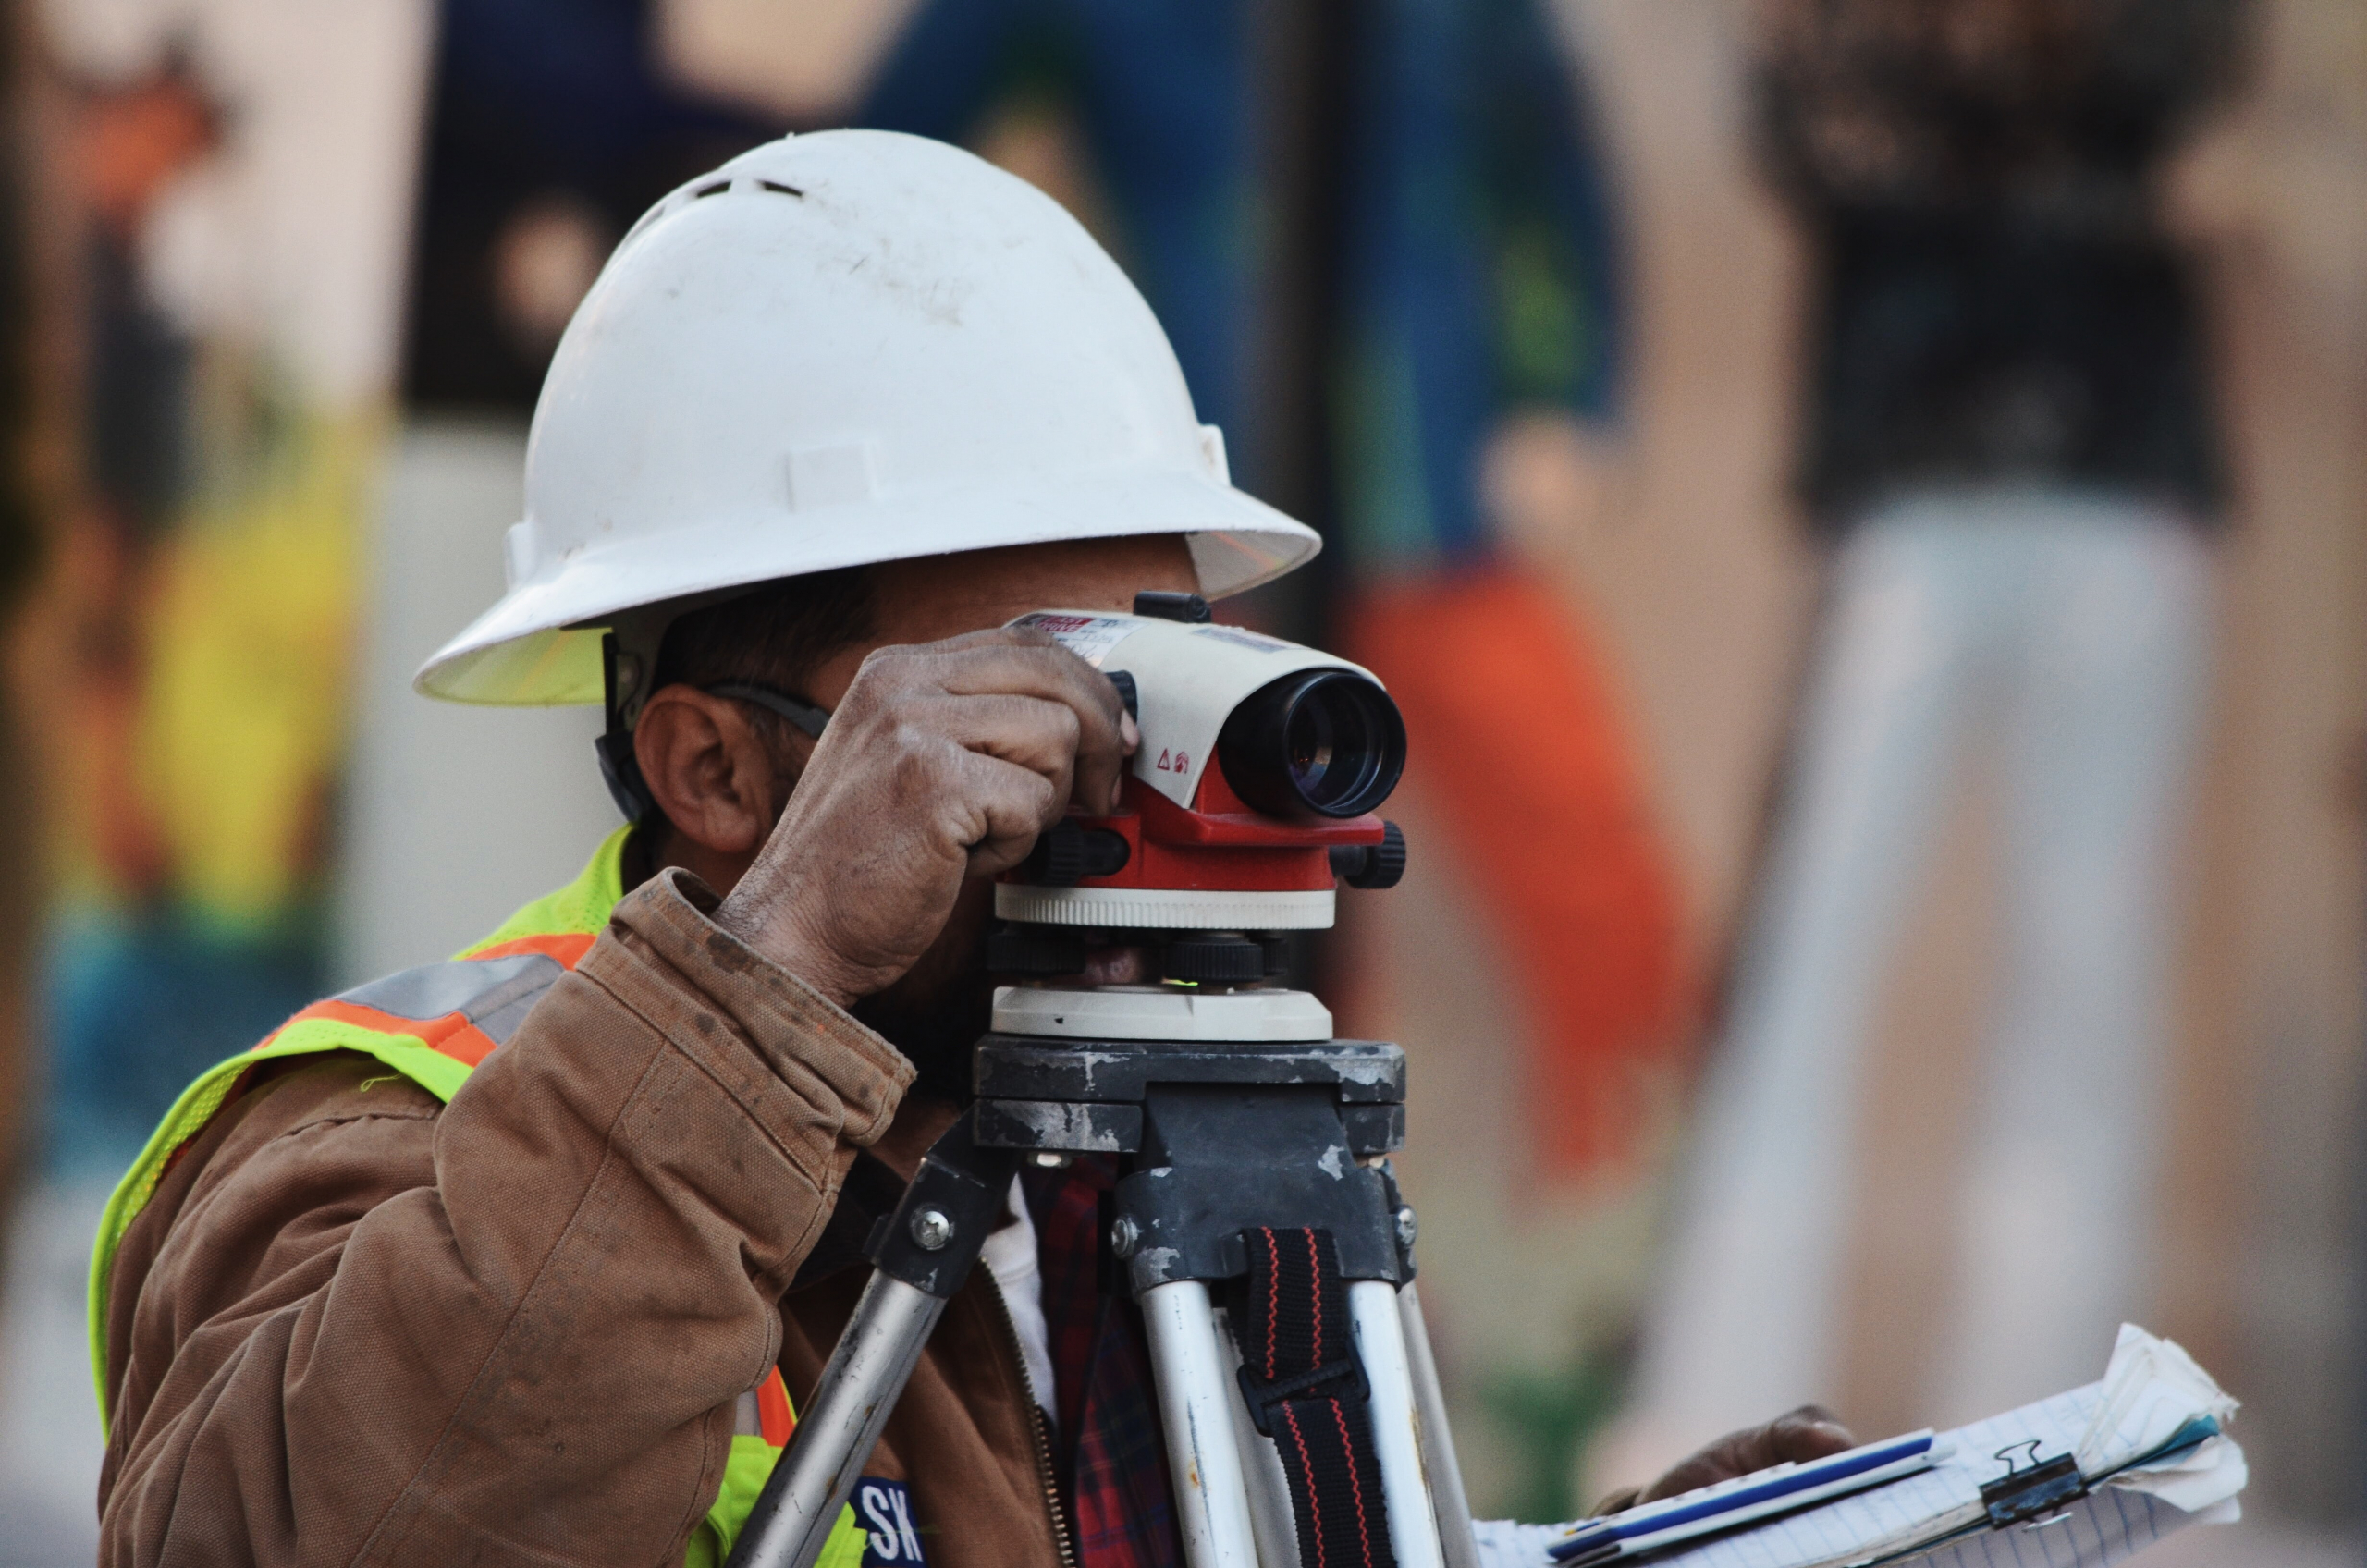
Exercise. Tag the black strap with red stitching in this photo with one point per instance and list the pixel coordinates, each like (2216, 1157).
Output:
(1307, 1390)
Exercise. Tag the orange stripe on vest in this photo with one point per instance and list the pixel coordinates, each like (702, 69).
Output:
(453, 1034)
(775, 1418)
(568, 947)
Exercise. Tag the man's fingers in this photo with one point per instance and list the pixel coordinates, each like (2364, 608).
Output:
(1797, 1437)
(996, 637)
(1035, 669)
(1810, 1432)
(987, 667)
(1041, 736)
(1008, 807)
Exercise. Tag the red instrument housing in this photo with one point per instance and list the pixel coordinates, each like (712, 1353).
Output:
(1221, 844)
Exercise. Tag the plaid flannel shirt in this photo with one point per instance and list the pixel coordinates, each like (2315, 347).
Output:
(1109, 1456)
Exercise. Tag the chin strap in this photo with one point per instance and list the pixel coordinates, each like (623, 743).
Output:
(618, 767)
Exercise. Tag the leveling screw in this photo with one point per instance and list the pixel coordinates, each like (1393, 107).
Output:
(1405, 1226)
(1124, 1237)
(931, 1230)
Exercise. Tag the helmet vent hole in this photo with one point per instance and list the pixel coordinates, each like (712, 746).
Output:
(715, 189)
(777, 186)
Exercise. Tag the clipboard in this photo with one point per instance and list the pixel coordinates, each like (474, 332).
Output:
(1746, 1499)
(2081, 1479)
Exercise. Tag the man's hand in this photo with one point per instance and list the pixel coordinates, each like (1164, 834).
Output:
(943, 762)
(1810, 1432)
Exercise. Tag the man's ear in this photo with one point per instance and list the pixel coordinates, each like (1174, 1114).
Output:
(708, 769)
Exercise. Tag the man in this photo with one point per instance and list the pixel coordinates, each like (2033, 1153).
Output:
(513, 1258)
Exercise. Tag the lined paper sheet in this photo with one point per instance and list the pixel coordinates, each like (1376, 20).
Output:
(2151, 1390)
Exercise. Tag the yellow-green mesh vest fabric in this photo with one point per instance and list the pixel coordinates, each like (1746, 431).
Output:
(578, 910)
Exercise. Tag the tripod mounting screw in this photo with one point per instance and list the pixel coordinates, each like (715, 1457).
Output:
(1124, 1236)
(931, 1228)
(1405, 1226)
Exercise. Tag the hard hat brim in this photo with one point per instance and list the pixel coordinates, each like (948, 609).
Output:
(540, 645)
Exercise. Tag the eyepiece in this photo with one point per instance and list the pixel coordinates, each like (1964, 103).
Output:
(1321, 742)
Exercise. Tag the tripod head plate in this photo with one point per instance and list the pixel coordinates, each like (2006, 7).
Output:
(1160, 1012)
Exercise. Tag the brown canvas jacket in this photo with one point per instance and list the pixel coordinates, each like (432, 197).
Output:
(357, 1326)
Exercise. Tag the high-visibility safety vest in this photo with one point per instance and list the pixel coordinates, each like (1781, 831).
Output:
(432, 1024)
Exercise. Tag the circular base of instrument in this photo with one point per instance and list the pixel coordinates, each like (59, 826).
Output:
(1166, 908)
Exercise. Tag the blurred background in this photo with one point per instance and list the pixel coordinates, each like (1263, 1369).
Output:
(1863, 502)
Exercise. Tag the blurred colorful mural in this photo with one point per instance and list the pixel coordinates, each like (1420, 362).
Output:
(238, 179)
(1493, 292)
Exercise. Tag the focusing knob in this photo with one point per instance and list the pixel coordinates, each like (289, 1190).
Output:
(1214, 960)
(1372, 866)
(1066, 855)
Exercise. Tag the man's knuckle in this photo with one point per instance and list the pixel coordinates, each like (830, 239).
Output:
(919, 765)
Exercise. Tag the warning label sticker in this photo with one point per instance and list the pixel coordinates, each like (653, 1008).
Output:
(1090, 637)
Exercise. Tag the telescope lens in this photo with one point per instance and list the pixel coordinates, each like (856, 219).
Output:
(1327, 742)
(1310, 749)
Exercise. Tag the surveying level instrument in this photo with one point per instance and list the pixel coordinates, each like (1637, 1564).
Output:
(1257, 1214)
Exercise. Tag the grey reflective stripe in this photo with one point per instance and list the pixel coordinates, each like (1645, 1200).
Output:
(494, 994)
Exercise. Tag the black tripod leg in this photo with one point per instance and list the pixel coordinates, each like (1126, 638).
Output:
(920, 1255)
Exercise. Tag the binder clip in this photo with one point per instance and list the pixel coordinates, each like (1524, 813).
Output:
(2023, 1494)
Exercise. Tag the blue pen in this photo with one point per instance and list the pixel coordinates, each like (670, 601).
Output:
(1744, 1499)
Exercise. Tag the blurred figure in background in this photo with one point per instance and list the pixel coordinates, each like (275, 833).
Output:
(2010, 450)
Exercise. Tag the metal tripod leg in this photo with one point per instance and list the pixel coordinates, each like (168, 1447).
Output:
(1196, 1393)
(920, 1257)
(1439, 1462)
(837, 1432)
(1396, 1429)
(1228, 1481)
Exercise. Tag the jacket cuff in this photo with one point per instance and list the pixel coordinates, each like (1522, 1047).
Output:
(795, 1028)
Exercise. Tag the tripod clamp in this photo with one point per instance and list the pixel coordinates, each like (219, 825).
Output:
(954, 1201)
(1224, 1140)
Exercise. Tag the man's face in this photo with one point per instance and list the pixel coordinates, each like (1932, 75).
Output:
(939, 1010)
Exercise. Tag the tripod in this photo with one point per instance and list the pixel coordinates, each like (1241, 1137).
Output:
(1256, 1213)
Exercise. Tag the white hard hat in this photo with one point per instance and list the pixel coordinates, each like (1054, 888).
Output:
(837, 349)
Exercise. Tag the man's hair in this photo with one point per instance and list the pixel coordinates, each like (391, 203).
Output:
(775, 636)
